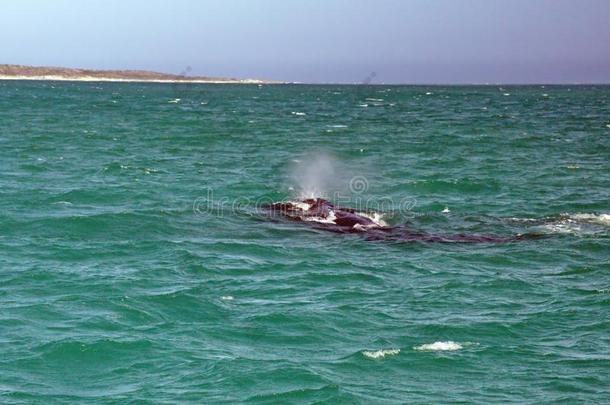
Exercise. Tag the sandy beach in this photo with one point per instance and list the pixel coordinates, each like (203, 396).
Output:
(113, 79)
(20, 72)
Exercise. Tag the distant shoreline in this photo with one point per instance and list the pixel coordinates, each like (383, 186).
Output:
(118, 80)
(36, 73)
(21, 72)
(86, 79)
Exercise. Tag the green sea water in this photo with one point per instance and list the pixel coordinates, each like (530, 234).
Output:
(136, 265)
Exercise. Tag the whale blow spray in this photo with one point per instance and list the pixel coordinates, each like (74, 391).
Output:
(316, 175)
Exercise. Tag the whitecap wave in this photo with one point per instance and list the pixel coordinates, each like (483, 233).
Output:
(439, 346)
(380, 354)
(516, 219)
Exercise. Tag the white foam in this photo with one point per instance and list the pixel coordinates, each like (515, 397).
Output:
(359, 227)
(375, 217)
(227, 297)
(515, 219)
(363, 228)
(330, 219)
(439, 346)
(379, 354)
(298, 113)
(174, 101)
(337, 126)
(574, 223)
(601, 219)
(566, 223)
(302, 205)
(562, 228)
(579, 224)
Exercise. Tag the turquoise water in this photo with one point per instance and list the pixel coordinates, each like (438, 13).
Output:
(135, 264)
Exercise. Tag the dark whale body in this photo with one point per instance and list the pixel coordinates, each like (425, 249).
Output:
(319, 213)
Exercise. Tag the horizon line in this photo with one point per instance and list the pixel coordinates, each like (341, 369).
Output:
(297, 83)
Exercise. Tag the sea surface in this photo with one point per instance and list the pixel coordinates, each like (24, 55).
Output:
(138, 264)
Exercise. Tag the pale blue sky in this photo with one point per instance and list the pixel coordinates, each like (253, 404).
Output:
(409, 41)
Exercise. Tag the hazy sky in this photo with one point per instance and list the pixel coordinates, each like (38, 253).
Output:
(409, 41)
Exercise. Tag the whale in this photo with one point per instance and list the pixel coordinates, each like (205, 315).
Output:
(319, 213)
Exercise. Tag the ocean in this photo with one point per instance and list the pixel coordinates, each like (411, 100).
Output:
(138, 264)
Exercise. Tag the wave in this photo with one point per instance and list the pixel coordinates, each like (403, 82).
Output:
(379, 354)
(602, 219)
(579, 223)
(439, 346)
